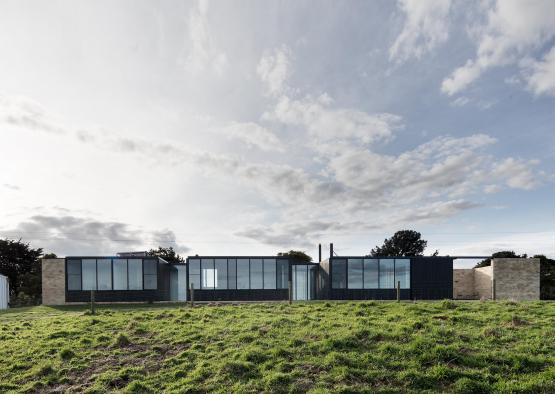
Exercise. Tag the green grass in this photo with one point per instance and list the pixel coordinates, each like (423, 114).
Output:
(461, 347)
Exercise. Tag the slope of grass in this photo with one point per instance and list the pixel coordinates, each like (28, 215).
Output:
(462, 347)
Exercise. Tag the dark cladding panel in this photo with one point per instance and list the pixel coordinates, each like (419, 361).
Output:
(431, 278)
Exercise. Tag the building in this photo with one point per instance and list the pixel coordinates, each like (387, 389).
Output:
(4, 292)
(141, 278)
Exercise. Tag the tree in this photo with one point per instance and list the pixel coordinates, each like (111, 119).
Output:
(21, 264)
(297, 255)
(167, 254)
(497, 255)
(403, 243)
(50, 256)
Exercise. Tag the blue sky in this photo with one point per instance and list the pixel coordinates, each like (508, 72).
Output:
(255, 127)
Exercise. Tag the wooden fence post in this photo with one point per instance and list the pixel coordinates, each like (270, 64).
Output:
(290, 292)
(93, 303)
(398, 291)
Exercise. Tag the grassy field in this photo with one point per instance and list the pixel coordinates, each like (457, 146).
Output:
(463, 347)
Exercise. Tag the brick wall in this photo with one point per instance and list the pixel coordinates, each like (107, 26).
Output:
(463, 284)
(482, 282)
(53, 282)
(517, 279)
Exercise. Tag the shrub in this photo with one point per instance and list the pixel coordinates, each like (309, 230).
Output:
(448, 304)
(122, 340)
(66, 354)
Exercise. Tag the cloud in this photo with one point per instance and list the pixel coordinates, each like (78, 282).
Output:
(253, 135)
(540, 75)
(513, 30)
(68, 234)
(24, 112)
(274, 69)
(349, 180)
(324, 122)
(426, 27)
(203, 55)
(11, 187)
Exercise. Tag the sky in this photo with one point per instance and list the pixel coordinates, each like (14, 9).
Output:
(250, 128)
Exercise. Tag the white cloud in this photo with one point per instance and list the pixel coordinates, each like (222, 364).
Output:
(23, 112)
(253, 135)
(203, 55)
(516, 173)
(426, 27)
(514, 29)
(326, 123)
(540, 75)
(274, 69)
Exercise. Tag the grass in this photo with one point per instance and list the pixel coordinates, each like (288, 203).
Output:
(459, 347)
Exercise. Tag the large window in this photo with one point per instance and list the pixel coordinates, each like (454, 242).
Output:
(135, 274)
(354, 274)
(112, 274)
(282, 274)
(220, 265)
(257, 276)
(371, 274)
(402, 273)
(269, 273)
(89, 274)
(194, 273)
(243, 274)
(387, 274)
(150, 268)
(104, 271)
(208, 273)
(339, 274)
(120, 274)
(74, 274)
(232, 273)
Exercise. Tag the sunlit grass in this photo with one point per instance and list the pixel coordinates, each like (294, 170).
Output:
(465, 347)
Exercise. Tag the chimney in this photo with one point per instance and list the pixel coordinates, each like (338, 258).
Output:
(331, 250)
(319, 252)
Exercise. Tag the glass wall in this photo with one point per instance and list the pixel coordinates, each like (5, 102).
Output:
(387, 274)
(339, 274)
(243, 281)
(402, 273)
(354, 274)
(369, 273)
(135, 274)
(220, 265)
(257, 278)
(120, 274)
(74, 274)
(104, 274)
(194, 273)
(269, 273)
(89, 274)
(282, 274)
(208, 273)
(242, 273)
(112, 274)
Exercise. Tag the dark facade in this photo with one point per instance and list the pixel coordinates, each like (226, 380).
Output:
(256, 278)
(365, 278)
(249, 278)
(117, 279)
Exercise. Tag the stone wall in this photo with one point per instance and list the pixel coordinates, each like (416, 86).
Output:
(53, 282)
(482, 282)
(463, 284)
(517, 279)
